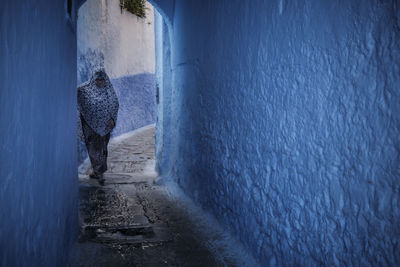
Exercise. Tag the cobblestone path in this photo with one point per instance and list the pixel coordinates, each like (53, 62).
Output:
(133, 221)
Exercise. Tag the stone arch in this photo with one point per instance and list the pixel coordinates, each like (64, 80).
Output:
(166, 9)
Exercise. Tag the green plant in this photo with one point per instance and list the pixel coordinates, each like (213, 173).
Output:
(137, 7)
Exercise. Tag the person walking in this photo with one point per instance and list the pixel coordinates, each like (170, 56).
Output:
(98, 110)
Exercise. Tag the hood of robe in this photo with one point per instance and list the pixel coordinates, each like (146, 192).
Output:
(98, 104)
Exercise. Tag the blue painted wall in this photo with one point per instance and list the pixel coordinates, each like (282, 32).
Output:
(38, 174)
(164, 137)
(137, 99)
(284, 118)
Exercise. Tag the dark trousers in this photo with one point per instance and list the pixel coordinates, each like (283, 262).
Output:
(97, 148)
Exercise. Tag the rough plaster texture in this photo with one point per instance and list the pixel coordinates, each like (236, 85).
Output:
(120, 41)
(137, 98)
(284, 118)
(137, 105)
(164, 82)
(38, 174)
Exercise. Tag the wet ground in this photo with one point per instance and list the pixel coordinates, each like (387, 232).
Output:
(137, 219)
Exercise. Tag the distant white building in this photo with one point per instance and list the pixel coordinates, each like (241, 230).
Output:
(114, 38)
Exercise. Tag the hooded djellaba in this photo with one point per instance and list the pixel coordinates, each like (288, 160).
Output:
(98, 109)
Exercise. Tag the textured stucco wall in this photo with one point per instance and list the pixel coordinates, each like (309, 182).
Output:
(137, 99)
(38, 176)
(285, 121)
(164, 139)
(120, 41)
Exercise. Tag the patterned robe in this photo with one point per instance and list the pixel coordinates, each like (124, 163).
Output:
(96, 107)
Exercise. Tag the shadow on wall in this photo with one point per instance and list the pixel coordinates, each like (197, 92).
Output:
(137, 105)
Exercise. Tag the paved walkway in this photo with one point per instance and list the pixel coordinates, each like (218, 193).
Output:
(133, 221)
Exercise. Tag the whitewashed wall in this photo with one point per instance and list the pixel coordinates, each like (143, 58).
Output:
(121, 41)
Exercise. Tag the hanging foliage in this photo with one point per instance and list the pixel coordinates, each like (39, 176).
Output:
(137, 7)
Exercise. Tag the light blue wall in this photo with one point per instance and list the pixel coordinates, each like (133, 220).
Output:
(38, 172)
(165, 140)
(158, 32)
(284, 118)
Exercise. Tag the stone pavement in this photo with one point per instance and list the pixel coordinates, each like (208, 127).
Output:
(136, 220)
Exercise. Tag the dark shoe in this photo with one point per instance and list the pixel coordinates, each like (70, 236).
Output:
(101, 179)
(91, 174)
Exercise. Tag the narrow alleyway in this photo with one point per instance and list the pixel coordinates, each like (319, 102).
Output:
(135, 220)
